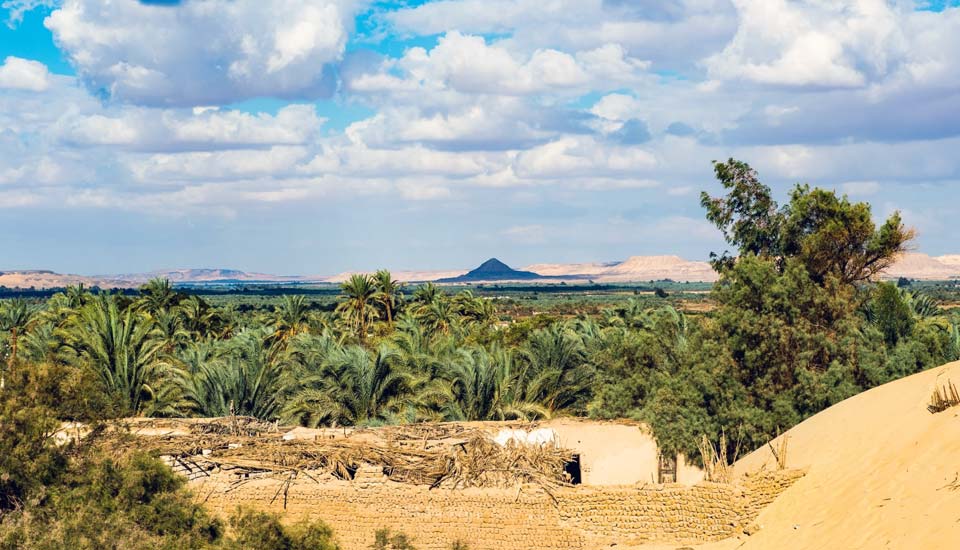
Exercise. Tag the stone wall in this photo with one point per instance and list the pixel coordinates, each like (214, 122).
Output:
(519, 518)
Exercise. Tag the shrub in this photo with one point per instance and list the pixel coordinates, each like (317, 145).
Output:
(386, 540)
(263, 531)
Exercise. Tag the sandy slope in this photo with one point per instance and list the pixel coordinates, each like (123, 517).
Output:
(880, 466)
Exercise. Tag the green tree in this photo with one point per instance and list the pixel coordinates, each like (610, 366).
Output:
(354, 386)
(248, 379)
(829, 234)
(389, 293)
(356, 303)
(157, 295)
(118, 346)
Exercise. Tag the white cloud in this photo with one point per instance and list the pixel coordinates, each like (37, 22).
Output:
(16, 9)
(468, 64)
(148, 129)
(811, 43)
(201, 53)
(24, 74)
(648, 30)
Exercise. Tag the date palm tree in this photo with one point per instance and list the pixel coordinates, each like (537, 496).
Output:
(156, 295)
(354, 386)
(485, 386)
(15, 315)
(247, 380)
(389, 292)
(199, 318)
(357, 295)
(291, 317)
(118, 345)
(555, 372)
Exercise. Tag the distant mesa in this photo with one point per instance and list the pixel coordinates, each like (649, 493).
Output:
(493, 270)
(913, 265)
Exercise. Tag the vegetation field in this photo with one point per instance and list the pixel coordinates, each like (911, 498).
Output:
(795, 324)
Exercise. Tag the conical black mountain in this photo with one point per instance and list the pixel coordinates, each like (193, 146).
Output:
(492, 270)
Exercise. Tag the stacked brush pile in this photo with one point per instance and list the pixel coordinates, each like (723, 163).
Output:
(436, 455)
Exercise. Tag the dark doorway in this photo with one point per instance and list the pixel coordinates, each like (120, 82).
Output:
(572, 469)
(667, 471)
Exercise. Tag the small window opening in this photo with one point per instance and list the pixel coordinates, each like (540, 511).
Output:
(572, 470)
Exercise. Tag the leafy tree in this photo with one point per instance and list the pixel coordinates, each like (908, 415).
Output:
(829, 234)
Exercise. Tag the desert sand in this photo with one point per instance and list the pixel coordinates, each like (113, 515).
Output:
(882, 472)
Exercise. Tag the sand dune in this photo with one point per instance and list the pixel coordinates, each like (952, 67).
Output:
(563, 270)
(880, 474)
(635, 268)
(915, 265)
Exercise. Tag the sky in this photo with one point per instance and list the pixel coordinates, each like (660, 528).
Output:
(318, 136)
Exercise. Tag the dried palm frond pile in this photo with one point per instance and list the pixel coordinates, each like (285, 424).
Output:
(943, 398)
(438, 455)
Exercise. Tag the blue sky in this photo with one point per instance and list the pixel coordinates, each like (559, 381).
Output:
(313, 137)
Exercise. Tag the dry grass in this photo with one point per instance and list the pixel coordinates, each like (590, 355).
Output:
(716, 467)
(780, 450)
(943, 398)
(437, 455)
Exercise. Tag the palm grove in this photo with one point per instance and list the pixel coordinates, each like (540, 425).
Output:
(799, 325)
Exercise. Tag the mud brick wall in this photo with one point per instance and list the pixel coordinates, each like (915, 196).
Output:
(676, 513)
(762, 488)
(494, 519)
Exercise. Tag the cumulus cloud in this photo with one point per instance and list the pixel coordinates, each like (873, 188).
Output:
(468, 64)
(646, 30)
(145, 129)
(201, 53)
(24, 74)
(16, 9)
(842, 44)
(586, 104)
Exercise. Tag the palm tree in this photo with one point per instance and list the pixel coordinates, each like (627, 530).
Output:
(15, 315)
(483, 386)
(199, 318)
(357, 294)
(169, 331)
(427, 293)
(389, 292)
(556, 373)
(439, 315)
(42, 343)
(158, 294)
(419, 351)
(354, 386)
(292, 317)
(476, 309)
(77, 295)
(118, 346)
(248, 380)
